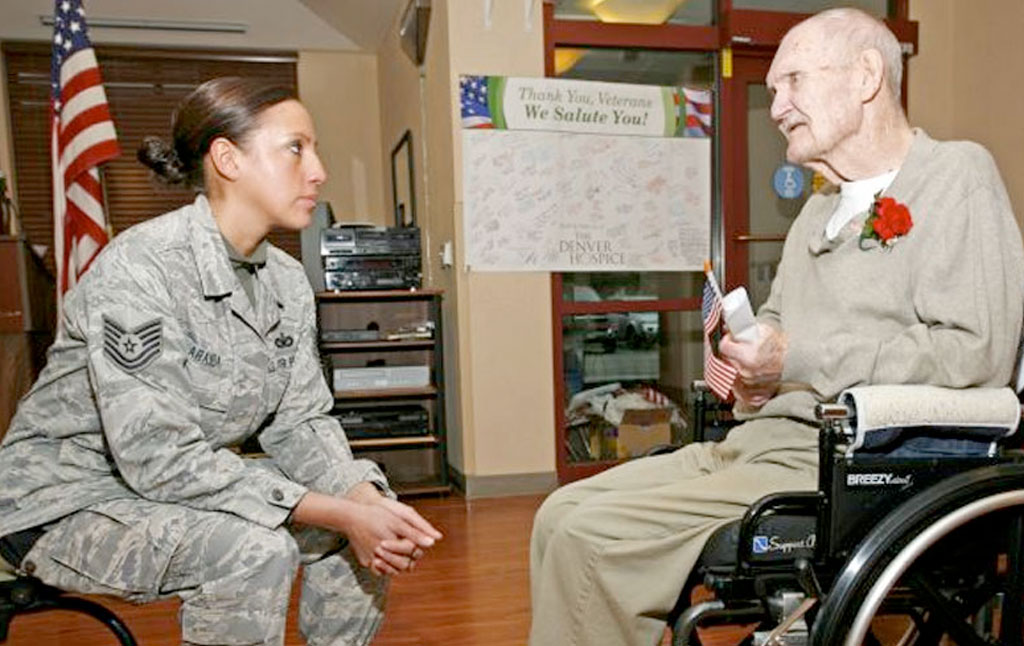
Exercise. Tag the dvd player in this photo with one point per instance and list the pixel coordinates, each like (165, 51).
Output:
(363, 240)
(394, 421)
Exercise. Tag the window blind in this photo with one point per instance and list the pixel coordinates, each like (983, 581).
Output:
(143, 87)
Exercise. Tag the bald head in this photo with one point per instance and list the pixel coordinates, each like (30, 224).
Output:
(845, 33)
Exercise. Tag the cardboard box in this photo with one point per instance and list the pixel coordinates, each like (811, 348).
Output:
(642, 429)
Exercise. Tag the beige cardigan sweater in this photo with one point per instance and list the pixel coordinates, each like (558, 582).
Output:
(943, 306)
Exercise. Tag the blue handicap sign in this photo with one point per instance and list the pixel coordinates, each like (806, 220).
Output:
(788, 181)
(760, 544)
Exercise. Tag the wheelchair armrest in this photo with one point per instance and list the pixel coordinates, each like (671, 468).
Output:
(709, 414)
(872, 412)
(792, 503)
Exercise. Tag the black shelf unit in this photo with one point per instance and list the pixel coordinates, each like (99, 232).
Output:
(415, 464)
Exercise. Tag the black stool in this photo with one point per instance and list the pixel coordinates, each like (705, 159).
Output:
(21, 595)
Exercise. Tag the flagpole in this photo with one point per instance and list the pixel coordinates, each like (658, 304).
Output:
(105, 205)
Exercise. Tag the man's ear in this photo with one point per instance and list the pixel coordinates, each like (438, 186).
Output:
(872, 69)
(224, 158)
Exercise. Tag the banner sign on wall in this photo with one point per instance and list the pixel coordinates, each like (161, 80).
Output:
(505, 103)
(582, 176)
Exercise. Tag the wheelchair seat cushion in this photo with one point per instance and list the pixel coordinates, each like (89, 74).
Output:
(720, 552)
(777, 539)
(883, 413)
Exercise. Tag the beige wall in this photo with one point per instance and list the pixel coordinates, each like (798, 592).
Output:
(498, 326)
(505, 319)
(963, 83)
(401, 109)
(340, 90)
(930, 97)
(418, 99)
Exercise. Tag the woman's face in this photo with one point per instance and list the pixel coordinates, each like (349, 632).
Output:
(280, 172)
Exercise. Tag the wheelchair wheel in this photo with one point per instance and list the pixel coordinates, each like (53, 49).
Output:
(950, 560)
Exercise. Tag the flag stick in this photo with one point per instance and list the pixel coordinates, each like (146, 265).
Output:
(711, 279)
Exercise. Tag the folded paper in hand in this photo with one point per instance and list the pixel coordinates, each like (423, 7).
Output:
(739, 316)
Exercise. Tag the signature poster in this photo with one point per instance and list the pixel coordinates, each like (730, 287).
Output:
(617, 186)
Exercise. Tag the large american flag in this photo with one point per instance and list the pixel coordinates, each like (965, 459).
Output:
(82, 136)
(718, 374)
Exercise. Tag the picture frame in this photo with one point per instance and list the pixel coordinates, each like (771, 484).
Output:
(403, 183)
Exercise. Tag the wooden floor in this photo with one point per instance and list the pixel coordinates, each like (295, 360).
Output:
(472, 590)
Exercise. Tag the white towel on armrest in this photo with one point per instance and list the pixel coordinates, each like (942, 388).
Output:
(991, 412)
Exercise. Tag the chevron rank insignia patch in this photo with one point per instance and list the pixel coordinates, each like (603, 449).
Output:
(132, 350)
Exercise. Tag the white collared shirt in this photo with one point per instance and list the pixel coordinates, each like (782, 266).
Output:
(856, 197)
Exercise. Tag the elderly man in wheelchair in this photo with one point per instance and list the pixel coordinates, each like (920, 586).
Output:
(897, 305)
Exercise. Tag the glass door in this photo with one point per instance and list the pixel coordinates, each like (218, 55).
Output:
(628, 344)
(766, 192)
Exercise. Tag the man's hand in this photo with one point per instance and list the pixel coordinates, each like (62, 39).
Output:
(759, 364)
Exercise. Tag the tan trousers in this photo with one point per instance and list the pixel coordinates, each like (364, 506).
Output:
(610, 554)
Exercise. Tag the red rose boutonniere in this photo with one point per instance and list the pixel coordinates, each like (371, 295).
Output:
(887, 222)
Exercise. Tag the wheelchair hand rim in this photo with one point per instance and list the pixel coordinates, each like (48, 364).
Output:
(917, 546)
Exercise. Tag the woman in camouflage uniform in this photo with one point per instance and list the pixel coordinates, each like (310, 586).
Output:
(189, 335)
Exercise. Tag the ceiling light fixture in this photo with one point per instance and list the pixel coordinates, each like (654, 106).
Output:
(164, 25)
(566, 59)
(644, 12)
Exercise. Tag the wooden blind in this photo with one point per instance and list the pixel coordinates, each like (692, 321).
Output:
(143, 87)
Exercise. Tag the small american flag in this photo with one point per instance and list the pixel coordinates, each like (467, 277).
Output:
(473, 100)
(82, 136)
(718, 374)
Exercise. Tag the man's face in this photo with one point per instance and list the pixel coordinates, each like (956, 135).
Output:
(814, 103)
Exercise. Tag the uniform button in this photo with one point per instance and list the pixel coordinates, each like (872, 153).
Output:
(277, 495)
(29, 567)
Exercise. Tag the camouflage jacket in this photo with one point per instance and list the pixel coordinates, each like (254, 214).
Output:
(160, 366)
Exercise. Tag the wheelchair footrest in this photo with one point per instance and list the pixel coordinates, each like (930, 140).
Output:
(711, 613)
(793, 637)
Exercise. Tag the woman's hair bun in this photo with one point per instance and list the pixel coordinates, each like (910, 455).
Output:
(162, 159)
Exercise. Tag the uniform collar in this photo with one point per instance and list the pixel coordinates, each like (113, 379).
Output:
(257, 259)
(218, 276)
(215, 273)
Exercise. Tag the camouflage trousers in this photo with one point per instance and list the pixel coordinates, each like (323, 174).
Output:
(234, 577)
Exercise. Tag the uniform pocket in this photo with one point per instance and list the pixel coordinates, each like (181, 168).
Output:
(209, 372)
(208, 361)
(121, 547)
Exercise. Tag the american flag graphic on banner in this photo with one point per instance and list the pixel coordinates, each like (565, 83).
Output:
(698, 111)
(473, 101)
(718, 374)
(82, 136)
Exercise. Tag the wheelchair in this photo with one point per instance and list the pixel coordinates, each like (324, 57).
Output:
(897, 546)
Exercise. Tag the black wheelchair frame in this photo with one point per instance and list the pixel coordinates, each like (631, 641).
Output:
(817, 566)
